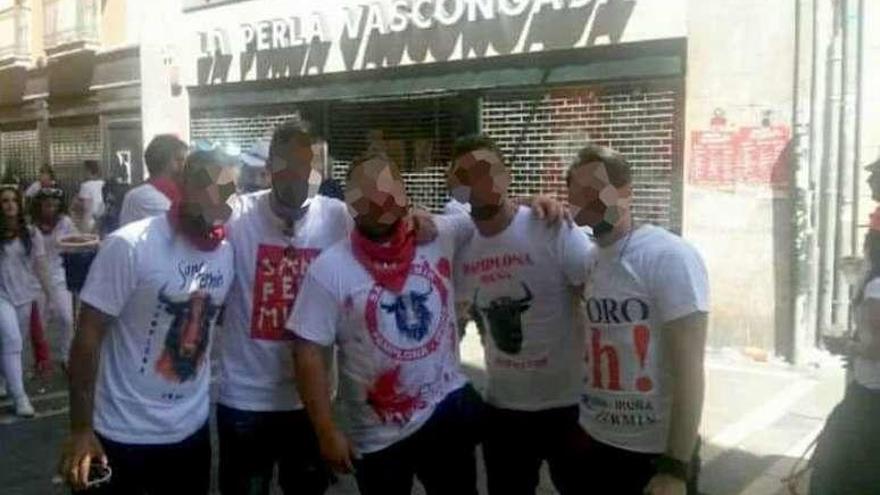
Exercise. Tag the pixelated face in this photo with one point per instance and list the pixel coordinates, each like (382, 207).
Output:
(594, 201)
(376, 196)
(481, 179)
(9, 203)
(206, 195)
(295, 175)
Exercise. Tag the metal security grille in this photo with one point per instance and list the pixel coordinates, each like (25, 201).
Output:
(545, 129)
(20, 154)
(69, 147)
(242, 130)
(417, 134)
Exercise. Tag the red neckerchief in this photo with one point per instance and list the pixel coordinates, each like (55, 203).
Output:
(166, 186)
(388, 264)
(200, 240)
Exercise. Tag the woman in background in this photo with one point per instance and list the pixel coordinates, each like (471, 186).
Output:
(22, 269)
(46, 179)
(845, 461)
(49, 215)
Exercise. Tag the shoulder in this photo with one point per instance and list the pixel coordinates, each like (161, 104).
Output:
(330, 206)
(246, 205)
(141, 231)
(658, 243)
(329, 265)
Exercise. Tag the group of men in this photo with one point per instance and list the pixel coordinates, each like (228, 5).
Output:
(593, 347)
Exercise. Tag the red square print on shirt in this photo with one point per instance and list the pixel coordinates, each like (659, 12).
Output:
(279, 274)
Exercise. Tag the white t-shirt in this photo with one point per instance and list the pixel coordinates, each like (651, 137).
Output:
(520, 286)
(142, 202)
(455, 207)
(63, 228)
(18, 280)
(92, 190)
(256, 358)
(641, 282)
(867, 371)
(398, 354)
(163, 294)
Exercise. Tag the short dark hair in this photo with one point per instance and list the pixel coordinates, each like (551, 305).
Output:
(619, 170)
(474, 142)
(286, 132)
(366, 157)
(161, 151)
(92, 166)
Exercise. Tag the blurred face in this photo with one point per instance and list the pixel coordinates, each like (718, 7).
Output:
(9, 203)
(45, 179)
(481, 179)
(49, 208)
(295, 177)
(594, 201)
(206, 195)
(376, 197)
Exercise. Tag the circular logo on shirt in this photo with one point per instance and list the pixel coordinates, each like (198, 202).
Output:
(410, 325)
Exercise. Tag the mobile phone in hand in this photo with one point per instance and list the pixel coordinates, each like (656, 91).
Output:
(99, 474)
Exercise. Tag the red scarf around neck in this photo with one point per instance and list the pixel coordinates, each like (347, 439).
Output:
(202, 241)
(166, 186)
(388, 263)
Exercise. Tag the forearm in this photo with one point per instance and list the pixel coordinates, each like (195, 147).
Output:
(313, 386)
(83, 368)
(686, 413)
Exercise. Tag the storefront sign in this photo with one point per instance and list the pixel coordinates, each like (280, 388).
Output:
(267, 40)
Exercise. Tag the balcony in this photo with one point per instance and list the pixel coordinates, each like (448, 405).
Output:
(71, 26)
(15, 36)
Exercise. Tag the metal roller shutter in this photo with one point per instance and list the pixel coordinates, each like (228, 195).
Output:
(69, 147)
(416, 133)
(242, 130)
(544, 129)
(20, 154)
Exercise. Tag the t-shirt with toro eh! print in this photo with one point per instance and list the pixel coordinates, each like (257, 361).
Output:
(164, 297)
(643, 281)
(521, 284)
(398, 352)
(256, 358)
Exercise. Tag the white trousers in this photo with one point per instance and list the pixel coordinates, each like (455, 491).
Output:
(14, 339)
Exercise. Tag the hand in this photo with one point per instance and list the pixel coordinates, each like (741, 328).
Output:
(550, 210)
(337, 452)
(664, 484)
(423, 223)
(80, 450)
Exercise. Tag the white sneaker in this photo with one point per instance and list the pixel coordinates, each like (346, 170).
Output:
(24, 408)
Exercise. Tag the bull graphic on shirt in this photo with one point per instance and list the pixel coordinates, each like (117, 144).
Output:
(188, 335)
(411, 314)
(504, 315)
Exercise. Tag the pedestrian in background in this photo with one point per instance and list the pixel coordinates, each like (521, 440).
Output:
(90, 198)
(164, 157)
(46, 179)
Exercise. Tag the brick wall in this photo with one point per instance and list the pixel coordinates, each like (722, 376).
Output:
(20, 154)
(541, 132)
(69, 147)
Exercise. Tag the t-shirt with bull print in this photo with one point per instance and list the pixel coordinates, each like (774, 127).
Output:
(256, 357)
(520, 285)
(646, 279)
(164, 297)
(397, 352)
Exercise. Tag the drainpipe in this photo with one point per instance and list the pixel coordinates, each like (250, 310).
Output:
(816, 166)
(857, 141)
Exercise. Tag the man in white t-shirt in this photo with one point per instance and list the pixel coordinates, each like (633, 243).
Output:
(522, 281)
(389, 307)
(139, 386)
(276, 234)
(646, 332)
(164, 158)
(90, 198)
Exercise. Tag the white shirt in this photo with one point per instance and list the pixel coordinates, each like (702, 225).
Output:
(644, 280)
(455, 207)
(256, 359)
(55, 263)
(398, 354)
(866, 371)
(92, 190)
(18, 280)
(162, 294)
(520, 284)
(141, 202)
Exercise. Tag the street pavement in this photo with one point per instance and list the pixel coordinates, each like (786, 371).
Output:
(759, 418)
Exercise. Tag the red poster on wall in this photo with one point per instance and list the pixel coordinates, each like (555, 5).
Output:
(714, 157)
(762, 154)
